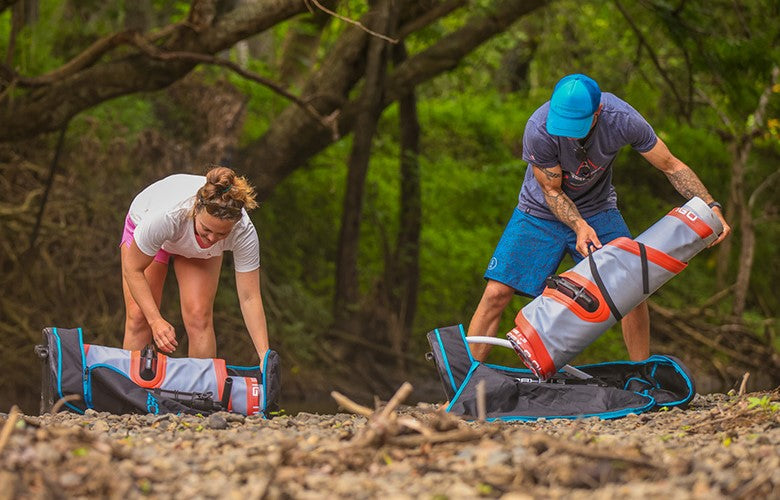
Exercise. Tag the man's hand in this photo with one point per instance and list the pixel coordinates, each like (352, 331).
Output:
(164, 335)
(726, 227)
(585, 237)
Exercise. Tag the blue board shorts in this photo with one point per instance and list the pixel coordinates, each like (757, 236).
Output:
(531, 248)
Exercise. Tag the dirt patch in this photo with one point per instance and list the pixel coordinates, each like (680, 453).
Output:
(721, 446)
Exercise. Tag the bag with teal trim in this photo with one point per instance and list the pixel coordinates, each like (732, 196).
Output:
(121, 381)
(604, 390)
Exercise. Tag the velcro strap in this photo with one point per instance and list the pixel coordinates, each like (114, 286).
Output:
(599, 283)
(645, 277)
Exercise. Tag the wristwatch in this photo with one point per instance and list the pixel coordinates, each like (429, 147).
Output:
(714, 204)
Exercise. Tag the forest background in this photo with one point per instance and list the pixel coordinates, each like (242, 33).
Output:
(384, 139)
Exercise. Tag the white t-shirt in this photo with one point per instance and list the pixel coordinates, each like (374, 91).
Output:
(161, 214)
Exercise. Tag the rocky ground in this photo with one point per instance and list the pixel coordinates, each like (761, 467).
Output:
(722, 446)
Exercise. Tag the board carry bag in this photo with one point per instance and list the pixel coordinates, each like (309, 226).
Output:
(577, 306)
(605, 390)
(121, 381)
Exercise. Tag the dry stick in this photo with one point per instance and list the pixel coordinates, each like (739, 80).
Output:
(401, 394)
(350, 21)
(61, 402)
(456, 435)
(415, 425)
(743, 385)
(350, 405)
(8, 427)
(49, 183)
(587, 452)
(377, 425)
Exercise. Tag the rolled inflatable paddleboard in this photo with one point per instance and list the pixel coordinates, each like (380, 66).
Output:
(577, 306)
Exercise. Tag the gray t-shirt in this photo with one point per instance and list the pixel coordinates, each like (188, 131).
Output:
(589, 182)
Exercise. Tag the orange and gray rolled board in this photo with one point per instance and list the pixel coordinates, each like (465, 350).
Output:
(575, 309)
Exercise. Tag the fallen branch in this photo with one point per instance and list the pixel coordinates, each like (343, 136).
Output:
(384, 426)
(9, 427)
(743, 385)
(350, 405)
(589, 452)
(61, 402)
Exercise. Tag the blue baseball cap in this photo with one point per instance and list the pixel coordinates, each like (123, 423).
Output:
(574, 101)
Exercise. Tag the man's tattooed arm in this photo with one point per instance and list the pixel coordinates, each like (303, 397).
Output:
(680, 175)
(563, 208)
(687, 183)
(560, 205)
(548, 172)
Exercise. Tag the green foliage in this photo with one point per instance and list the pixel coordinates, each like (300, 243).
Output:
(765, 403)
(124, 117)
(692, 68)
(471, 173)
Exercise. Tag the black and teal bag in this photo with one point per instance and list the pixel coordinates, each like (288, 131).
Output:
(614, 389)
(121, 381)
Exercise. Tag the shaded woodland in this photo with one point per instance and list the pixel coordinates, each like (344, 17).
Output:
(384, 140)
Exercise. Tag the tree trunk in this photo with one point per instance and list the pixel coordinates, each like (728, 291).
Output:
(747, 248)
(347, 277)
(730, 207)
(404, 270)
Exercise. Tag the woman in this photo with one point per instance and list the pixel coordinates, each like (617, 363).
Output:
(194, 218)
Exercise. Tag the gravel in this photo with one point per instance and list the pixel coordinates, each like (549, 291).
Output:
(722, 446)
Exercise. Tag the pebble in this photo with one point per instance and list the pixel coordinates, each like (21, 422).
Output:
(309, 456)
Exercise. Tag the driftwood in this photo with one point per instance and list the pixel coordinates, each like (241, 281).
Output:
(5, 434)
(385, 426)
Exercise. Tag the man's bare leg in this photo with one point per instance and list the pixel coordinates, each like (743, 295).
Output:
(488, 315)
(636, 332)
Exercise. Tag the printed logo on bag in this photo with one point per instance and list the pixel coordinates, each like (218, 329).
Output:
(687, 214)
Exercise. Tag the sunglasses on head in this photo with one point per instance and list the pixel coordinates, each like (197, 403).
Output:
(221, 210)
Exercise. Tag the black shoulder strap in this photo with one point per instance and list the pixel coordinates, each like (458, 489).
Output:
(643, 259)
(599, 283)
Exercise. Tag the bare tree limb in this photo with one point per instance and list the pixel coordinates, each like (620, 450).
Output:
(351, 21)
(654, 58)
(49, 182)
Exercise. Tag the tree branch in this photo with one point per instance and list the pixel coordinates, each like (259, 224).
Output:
(351, 21)
(656, 62)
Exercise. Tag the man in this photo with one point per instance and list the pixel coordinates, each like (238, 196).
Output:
(567, 201)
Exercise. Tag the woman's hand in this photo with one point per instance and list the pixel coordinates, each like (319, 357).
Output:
(164, 335)
(261, 355)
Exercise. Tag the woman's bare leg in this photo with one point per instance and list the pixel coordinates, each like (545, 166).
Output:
(198, 280)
